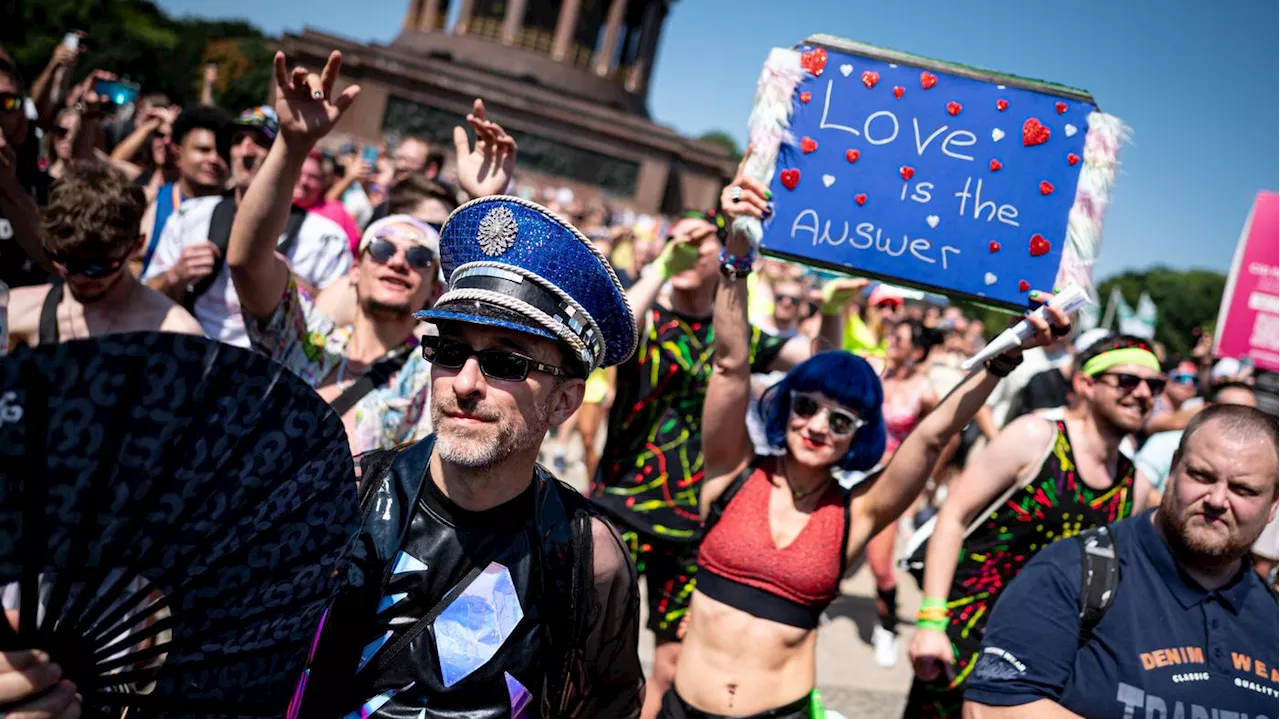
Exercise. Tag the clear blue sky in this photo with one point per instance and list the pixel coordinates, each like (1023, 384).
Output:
(1195, 80)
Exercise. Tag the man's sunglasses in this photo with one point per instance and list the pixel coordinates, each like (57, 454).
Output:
(10, 101)
(1127, 383)
(495, 364)
(418, 257)
(786, 299)
(842, 423)
(1183, 378)
(90, 269)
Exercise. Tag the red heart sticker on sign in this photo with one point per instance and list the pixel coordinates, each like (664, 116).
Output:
(808, 144)
(1061, 107)
(805, 97)
(790, 178)
(852, 155)
(1072, 158)
(995, 165)
(814, 60)
(907, 172)
(1039, 246)
(953, 108)
(1046, 187)
(928, 80)
(898, 91)
(1002, 104)
(860, 198)
(993, 246)
(1023, 285)
(1034, 132)
(870, 79)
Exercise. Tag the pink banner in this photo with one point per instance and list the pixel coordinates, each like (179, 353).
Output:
(1249, 318)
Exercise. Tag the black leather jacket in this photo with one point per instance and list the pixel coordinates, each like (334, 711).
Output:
(529, 609)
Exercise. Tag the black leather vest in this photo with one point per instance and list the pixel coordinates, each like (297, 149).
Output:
(507, 638)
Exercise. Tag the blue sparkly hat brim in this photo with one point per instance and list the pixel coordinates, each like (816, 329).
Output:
(475, 319)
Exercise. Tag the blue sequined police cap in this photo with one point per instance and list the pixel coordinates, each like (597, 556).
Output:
(512, 263)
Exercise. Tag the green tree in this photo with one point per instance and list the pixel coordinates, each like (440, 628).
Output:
(724, 140)
(1184, 300)
(138, 41)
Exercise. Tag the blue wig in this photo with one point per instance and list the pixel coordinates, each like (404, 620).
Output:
(844, 378)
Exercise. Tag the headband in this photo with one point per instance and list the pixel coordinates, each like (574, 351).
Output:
(1114, 358)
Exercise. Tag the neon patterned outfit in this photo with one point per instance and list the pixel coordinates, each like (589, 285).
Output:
(1054, 505)
(651, 468)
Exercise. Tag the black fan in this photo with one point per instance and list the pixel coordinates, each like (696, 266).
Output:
(174, 515)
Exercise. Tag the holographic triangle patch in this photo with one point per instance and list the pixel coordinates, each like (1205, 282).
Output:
(406, 563)
(521, 698)
(390, 601)
(474, 626)
(374, 704)
(371, 649)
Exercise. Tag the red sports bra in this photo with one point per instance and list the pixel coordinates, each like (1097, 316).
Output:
(739, 565)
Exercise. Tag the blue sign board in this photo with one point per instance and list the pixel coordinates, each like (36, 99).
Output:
(927, 175)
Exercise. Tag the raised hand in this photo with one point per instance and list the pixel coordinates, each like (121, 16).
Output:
(745, 195)
(1055, 325)
(488, 168)
(305, 103)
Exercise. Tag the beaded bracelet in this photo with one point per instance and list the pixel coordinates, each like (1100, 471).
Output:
(735, 267)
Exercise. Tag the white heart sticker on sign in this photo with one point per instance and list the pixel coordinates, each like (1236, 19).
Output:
(828, 180)
(997, 134)
(989, 278)
(1070, 130)
(932, 220)
(846, 69)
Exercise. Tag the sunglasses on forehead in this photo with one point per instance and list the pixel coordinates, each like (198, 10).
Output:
(842, 423)
(495, 364)
(92, 269)
(418, 257)
(1127, 383)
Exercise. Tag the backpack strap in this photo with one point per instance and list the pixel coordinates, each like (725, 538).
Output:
(224, 215)
(378, 375)
(297, 216)
(1099, 577)
(49, 315)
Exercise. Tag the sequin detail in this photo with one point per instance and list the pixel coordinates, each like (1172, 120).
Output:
(474, 626)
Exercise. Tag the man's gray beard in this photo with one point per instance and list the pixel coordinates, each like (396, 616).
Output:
(483, 453)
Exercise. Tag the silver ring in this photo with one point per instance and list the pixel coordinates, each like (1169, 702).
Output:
(735, 193)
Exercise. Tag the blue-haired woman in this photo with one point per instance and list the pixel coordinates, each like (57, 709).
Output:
(779, 530)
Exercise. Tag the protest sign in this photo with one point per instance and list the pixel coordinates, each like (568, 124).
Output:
(1249, 317)
(938, 176)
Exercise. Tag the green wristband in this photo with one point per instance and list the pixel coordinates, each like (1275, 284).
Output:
(933, 603)
(937, 625)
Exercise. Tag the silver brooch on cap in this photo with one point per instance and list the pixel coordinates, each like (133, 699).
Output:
(497, 231)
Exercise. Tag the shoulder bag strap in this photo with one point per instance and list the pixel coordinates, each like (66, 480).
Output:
(297, 216)
(1099, 577)
(49, 315)
(378, 375)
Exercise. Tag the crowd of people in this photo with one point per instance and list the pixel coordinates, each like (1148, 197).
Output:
(753, 430)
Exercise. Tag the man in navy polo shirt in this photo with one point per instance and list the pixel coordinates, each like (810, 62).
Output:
(1192, 632)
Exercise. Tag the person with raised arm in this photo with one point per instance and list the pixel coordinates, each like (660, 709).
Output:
(779, 531)
(370, 371)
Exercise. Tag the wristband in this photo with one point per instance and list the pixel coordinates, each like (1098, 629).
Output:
(933, 603)
(734, 267)
(937, 625)
(1002, 365)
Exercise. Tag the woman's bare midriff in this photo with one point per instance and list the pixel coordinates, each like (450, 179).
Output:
(736, 664)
